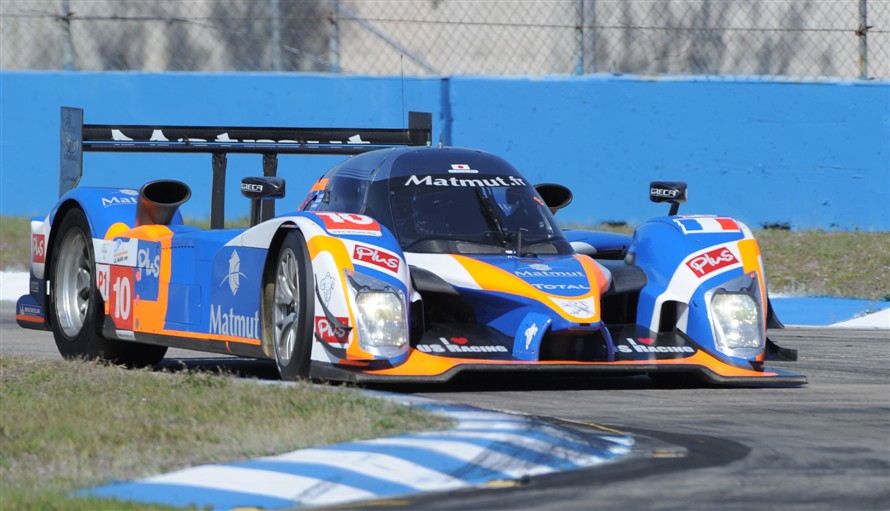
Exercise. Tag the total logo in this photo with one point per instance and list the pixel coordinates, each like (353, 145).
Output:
(561, 287)
(711, 261)
(645, 345)
(376, 257)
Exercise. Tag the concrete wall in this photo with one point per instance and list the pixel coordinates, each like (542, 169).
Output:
(810, 155)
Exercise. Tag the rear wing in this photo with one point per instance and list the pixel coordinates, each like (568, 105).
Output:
(77, 137)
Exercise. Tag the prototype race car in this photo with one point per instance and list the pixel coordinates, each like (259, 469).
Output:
(405, 262)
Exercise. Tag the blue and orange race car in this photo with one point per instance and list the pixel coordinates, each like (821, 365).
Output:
(405, 262)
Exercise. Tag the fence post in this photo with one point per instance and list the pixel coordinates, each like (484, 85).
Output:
(275, 14)
(579, 37)
(591, 15)
(334, 49)
(67, 46)
(863, 39)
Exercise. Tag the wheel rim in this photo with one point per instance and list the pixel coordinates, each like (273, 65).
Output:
(287, 303)
(73, 281)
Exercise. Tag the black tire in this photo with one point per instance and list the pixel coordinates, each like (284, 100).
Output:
(76, 306)
(289, 306)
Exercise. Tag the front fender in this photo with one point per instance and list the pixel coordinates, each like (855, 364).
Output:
(687, 260)
(341, 245)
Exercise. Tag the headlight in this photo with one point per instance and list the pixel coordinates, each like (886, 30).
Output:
(737, 317)
(381, 317)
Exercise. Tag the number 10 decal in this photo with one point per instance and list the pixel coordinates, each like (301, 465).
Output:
(120, 297)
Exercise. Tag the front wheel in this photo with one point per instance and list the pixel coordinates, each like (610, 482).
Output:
(288, 301)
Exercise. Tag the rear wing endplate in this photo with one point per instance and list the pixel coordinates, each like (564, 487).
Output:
(77, 137)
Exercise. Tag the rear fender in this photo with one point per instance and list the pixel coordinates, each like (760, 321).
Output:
(108, 211)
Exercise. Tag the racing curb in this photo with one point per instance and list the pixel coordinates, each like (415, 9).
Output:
(484, 447)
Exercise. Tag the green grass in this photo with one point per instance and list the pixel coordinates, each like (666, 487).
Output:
(820, 263)
(800, 263)
(15, 243)
(66, 426)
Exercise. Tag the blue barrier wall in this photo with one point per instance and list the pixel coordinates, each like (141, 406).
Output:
(810, 155)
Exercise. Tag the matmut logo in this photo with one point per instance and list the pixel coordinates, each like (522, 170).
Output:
(711, 261)
(118, 201)
(376, 257)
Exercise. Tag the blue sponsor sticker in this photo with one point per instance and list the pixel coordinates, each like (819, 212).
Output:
(527, 344)
(235, 292)
(148, 270)
(563, 277)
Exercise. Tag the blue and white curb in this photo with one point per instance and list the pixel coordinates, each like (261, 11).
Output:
(485, 446)
(832, 312)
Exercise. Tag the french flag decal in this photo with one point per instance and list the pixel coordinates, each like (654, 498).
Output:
(706, 224)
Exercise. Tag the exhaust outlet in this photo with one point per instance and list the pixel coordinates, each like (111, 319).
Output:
(160, 200)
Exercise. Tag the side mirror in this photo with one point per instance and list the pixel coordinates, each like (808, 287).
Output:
(673, 192)
(555, 196)
(258, 189)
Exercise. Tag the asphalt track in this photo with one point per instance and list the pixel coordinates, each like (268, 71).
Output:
(823, 446)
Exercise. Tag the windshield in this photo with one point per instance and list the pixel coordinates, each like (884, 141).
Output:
(494, 215)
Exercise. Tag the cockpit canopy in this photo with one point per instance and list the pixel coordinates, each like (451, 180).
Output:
(445, 201)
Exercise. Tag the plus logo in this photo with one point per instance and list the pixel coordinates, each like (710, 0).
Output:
(712, 261)
(38, 248)
(376, 257)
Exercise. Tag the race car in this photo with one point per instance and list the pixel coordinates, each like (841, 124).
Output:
(406, 262)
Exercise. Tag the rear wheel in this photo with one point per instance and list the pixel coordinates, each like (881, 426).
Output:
(288, 302)
(75, 303)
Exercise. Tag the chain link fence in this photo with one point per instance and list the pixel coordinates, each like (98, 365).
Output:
(812, 39)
